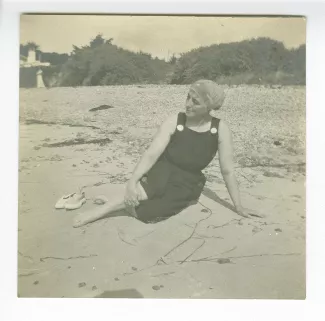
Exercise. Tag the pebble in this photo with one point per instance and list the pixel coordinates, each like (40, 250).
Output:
(223, 261)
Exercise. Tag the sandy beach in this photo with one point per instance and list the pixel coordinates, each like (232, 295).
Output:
(207, 251)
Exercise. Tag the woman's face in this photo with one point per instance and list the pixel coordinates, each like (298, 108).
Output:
(194, 105)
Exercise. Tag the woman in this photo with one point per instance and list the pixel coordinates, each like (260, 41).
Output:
(169, 175)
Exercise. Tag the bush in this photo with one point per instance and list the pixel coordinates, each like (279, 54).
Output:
(257, 61)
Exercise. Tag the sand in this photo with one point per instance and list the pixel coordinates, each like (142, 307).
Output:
(207, 251)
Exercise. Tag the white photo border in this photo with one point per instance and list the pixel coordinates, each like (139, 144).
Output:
(13, 308)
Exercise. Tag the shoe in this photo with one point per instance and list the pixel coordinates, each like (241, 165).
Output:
(60, 204)
(75, 201)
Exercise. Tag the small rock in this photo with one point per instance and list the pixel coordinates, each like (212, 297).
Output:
(156, 287)
(134, 268)
(94, 288)
(74, 165)
(277, 143)
(116, 279)
(82, 284)
(69, 267)
(278, 230)
(37, 147)
(223, 261)
(36, 282)
(273, 174)
(204, 210)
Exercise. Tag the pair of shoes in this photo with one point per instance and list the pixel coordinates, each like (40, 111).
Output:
(71, 202)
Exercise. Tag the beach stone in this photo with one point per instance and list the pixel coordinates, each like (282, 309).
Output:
(270, 173)
(277, 143)
(82, 284)
(223, 261)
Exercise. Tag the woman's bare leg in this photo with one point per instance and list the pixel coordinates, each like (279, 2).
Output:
(108, 209)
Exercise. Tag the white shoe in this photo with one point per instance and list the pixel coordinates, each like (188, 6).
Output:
(60, 204)
(75, 201)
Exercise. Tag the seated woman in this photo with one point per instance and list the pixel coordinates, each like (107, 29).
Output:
(169, 177)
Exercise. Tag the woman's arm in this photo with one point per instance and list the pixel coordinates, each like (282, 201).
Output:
(156, 148)
(227, 164)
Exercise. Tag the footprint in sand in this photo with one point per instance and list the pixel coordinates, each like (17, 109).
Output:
(256, 230)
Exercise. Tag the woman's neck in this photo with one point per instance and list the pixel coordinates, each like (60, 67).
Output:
(198, 120)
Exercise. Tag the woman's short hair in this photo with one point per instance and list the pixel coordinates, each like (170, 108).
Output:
(211, 94)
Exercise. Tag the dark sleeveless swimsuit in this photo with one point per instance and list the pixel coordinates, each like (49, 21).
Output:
(176, 180)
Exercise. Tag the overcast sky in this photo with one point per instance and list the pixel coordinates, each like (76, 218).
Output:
(159, 35)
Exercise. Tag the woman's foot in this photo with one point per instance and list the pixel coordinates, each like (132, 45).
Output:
(84, 218)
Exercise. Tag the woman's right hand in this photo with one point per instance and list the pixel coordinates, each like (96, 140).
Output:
(131, 195)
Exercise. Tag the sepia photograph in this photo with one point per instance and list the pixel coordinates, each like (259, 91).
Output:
(162, 156)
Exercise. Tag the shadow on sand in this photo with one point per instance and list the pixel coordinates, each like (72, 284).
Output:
(125, 293)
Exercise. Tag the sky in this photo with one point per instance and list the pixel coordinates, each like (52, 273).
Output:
(161, 36)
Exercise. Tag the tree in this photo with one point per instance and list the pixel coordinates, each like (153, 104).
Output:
(99, 41)
(172, 60)
(32, 46)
